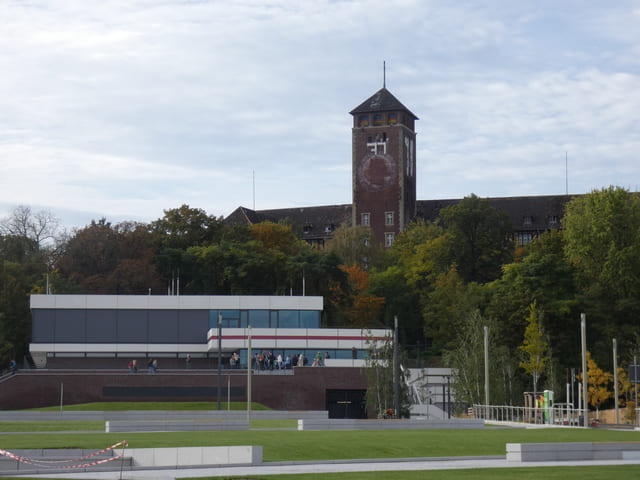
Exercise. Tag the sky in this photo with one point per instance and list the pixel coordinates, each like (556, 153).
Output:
(123, 109)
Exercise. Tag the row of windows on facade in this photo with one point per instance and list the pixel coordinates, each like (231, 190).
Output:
(365, 219)
(265, 318)
(308, 228)
(309, 353)
(551, 220)
(377, 119)
(155, 326)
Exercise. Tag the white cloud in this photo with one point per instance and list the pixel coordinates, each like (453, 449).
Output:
(125, 108)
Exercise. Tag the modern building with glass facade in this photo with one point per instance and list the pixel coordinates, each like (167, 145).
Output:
(171, 327)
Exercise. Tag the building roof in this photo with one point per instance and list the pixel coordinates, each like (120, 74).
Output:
(527, 214)
(381, 101)
(314, 222)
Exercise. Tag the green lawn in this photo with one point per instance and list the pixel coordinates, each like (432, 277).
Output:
(293, 445)
(288, 445)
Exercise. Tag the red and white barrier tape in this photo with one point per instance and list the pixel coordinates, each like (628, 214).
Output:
(56, 463)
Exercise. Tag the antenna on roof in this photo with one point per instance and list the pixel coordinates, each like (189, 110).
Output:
(384, 74)
(566, 173)
(254, 190)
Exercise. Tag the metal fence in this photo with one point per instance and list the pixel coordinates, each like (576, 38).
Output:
(559, 414)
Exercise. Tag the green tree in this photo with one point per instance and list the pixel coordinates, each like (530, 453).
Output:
(185, 227)
(466, 358)
(446, 306)
(534, 347)
(111, 259)
(356, 246)
(481, 238)
(602, 242)
(379, 372)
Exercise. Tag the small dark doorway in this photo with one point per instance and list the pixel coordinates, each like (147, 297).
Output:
(346, 403)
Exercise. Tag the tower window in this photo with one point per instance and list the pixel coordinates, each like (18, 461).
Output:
(377, 119)
(364, 219)
(388, 239)
(392, 119)
(388, 218)
(363, 120)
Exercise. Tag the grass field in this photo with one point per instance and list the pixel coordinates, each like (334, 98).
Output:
(293, 445)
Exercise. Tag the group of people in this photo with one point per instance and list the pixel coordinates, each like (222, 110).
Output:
(152, 366)
(234, 360)
(269, 361)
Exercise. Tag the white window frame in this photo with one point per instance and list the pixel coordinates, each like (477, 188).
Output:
(388, 218)
(388, 238)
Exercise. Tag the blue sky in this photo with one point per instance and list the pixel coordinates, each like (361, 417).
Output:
(121, 109)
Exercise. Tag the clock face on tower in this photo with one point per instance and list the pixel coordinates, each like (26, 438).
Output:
(377, 171)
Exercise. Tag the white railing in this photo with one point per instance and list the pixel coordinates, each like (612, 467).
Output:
(559, 414)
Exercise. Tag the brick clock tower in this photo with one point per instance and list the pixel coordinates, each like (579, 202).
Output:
(383, 166)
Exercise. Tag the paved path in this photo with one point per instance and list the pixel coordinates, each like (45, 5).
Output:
(331, 467)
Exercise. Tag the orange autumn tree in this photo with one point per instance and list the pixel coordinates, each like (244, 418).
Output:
(358, 307)
(599, 383)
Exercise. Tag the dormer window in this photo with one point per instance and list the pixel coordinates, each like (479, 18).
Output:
(328, 228)
(554, 220)
(527, 221)
(307, 228)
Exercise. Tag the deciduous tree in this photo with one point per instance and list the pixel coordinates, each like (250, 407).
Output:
(535, 348)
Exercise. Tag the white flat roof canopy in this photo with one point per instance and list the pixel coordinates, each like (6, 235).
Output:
(177, 302)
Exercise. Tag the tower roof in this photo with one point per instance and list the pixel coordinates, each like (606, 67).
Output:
(381, 101)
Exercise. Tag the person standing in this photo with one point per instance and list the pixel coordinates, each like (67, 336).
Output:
(188, 361)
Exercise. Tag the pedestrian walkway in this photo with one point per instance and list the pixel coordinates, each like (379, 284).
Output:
(338, 466)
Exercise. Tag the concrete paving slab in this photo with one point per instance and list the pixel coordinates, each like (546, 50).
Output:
(332, 467)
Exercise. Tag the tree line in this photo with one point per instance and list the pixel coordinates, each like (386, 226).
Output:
(444, 280)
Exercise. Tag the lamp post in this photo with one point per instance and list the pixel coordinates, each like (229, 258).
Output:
(615, 379)
(486, 370)
(219, 356)
(396, 373)
(249, 366)
(585, 391)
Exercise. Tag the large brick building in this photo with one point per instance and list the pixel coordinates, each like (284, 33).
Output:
(384, 185)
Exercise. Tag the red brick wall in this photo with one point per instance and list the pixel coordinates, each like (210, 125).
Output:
(305, 390)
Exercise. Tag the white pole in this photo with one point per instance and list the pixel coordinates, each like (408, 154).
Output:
(249, 366)
(396, 373)
(615, 379)
(585, 391)
(635, 387)
(486, 369)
